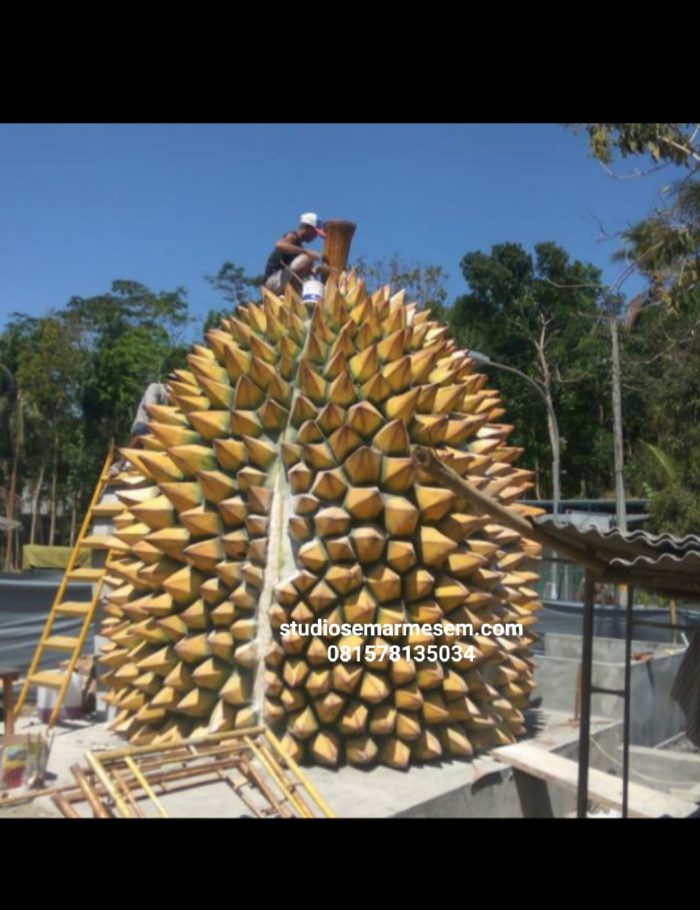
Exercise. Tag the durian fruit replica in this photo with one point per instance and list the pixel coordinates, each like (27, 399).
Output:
(278, 486)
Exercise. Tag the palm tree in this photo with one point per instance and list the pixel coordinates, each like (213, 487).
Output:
(665, 248)
(17, 414)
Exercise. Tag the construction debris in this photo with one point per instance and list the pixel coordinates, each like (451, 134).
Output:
(135, 782)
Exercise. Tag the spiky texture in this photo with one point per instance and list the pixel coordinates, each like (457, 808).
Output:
(278, 486)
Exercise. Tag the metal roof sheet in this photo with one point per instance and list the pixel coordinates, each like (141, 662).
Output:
(663, 563)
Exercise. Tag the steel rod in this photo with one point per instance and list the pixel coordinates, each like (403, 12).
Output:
(584, 742)
(628, 703)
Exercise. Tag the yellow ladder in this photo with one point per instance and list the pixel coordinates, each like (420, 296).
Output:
(60, 679)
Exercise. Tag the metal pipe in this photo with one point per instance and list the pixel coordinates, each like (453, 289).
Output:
(584, 741)
(601, 690)
(650, 623)
(629, 616)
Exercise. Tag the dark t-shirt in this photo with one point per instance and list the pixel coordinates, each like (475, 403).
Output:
(277, 258)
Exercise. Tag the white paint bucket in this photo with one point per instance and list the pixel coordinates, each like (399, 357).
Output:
(312, 291)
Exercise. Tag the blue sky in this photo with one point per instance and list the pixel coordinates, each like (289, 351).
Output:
(84, 204)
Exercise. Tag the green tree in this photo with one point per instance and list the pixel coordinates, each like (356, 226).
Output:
(662, 415)
(234, 284)
(48, 372)
(129, 304)
(213, 319)
(121, 368)
(71, 381)
(128, 337)
(20, 427)
(542, 315)
(665, 246)
(423, 283)
(676, 143)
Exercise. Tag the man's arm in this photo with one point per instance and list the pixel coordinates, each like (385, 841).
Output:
(290, 244)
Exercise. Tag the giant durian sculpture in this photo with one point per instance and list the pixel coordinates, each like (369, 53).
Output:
(278, 486)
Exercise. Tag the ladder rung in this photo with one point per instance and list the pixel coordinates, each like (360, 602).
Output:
(86, 574)
(104, 542)
(52, 679)
(107, 508)
(114, 581)
(128, 478)
(73, 608)
(62, 643)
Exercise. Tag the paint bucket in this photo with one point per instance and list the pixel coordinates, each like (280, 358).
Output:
(72, 701)
(312, 291)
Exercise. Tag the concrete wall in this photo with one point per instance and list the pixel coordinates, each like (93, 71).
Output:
(654, 716)
(506, 793)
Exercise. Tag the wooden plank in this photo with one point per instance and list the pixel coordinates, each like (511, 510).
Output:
(602, 788)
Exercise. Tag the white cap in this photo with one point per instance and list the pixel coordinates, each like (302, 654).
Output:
(312, 219)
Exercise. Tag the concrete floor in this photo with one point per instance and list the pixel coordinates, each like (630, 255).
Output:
(480, 787)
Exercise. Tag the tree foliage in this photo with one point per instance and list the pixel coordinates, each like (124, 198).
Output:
(423, 283)
(234, 284)
(676, 143)
(665, 246)
(542, 315)
(69, 383)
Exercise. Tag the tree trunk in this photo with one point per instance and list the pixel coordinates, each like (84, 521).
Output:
(35, 505)
(618, 450)
(552, 427)
(538, 488)
(54, 486)
(74, 517)
(9, 552)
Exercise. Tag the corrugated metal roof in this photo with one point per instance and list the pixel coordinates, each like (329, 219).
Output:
(663, 563)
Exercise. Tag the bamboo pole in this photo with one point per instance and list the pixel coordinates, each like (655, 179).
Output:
(427, 461)
(72, 793)
(293, 786)
(280, 808)
(223, 751)
(60, 801)
(133, 751)
(28, 797)
(289, 794)
(128, 792)
(98, 810)
(297, 772)
(145, 786)
(107, 783)
(169, 777)
(237, 787)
